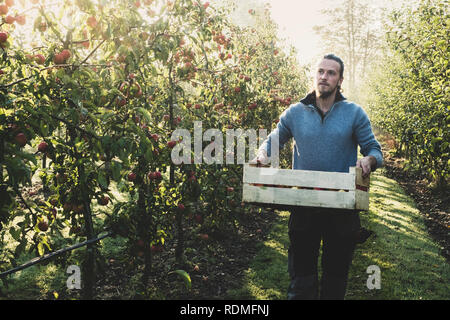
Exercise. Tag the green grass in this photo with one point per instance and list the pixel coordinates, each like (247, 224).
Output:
(410, 263)
(267, 277)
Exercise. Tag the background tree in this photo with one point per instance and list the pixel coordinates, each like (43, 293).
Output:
(352, 31)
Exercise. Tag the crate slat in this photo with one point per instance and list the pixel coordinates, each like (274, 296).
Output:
(305, 178)
(361, 200)
(299, 197)
(365, 182)
(260, 186)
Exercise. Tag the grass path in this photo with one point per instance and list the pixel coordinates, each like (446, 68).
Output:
(410, 263)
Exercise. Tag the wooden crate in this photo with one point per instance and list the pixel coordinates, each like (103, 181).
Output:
(286, 188)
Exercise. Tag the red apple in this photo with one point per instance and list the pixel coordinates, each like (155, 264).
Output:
(10, 20)
(20, 20)
(158, 175)
(91, 22)
(21, 139)
(181, 207)
(121, 101)
(131, 176)
(3, 37)
(103, 200)
(198, 218)
(66, 54)
(252, 106)
(3, 9)
(177, 120)
(9, 3)
(43, 146)
(58, 59)
(39, 58)
(43, 226)
(171, 144)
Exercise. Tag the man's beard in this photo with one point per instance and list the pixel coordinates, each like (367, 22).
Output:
(326, 94)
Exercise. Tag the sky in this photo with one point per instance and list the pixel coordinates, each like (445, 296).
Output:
(296, 19)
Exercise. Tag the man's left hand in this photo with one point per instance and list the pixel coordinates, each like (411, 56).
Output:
(366, 164)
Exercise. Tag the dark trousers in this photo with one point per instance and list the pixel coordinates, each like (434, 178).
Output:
(336, 229)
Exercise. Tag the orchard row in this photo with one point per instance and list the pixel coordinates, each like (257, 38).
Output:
(412, 89)
(87, 109)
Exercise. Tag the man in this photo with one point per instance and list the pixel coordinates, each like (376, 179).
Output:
(327, 130)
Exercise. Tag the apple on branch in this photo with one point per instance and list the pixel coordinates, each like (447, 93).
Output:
(43, 146)
(3, 37)
(21, 139)
(3, 9)
(20, 20)
(10, 19)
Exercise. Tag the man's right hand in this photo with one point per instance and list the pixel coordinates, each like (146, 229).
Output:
(261, 160)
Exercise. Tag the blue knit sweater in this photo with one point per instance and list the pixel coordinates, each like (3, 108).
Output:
(326, 142)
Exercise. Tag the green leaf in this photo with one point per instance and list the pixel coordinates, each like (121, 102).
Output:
(148, 156)
(102, 179)
(185, 276)
(145, 113)
(40, 248)
(44, 128)
(15, 233)
(116, 167)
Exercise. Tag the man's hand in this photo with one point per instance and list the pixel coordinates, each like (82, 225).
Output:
(366, 164)
(261, 160)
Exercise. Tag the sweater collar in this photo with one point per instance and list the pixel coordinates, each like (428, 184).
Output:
(310, 98)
